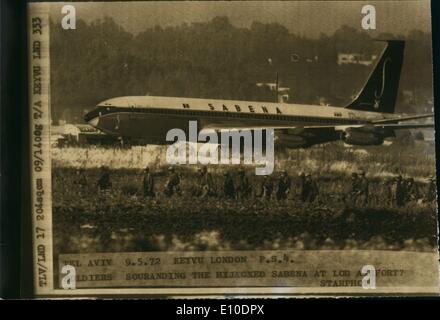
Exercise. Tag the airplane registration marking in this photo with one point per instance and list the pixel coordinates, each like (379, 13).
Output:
(237, 108)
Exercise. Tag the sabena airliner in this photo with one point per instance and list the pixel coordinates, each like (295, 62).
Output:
(367, 120)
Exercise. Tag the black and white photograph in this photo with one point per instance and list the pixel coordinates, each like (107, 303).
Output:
(233, 147)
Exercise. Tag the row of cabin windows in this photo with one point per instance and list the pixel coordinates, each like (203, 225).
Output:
(245, 115)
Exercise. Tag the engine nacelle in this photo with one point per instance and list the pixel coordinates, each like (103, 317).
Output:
(360, 137)
(290, 141)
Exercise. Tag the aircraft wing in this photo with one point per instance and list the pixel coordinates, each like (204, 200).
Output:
(389, 126)
(300, 129)
(300, 137)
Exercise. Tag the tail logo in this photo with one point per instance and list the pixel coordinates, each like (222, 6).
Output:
(378, 96)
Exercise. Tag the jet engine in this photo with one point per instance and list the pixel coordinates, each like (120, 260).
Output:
(290, 141)
(362, 137)
(304, 138)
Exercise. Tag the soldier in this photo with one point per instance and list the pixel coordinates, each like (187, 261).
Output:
(104, 182)
(148, 183)
(283, 186)
(387, 191)
(432, 190)
(399, 192)
(411, 191)
(266, 188)
(302, 186)
(354, 192)
(206, 182)
(242, 187)
(172, 186)
(80, 179)
(363, 189)
(310, 188)
(228, 186)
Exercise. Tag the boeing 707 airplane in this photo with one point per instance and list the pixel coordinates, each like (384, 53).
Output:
(367, 120)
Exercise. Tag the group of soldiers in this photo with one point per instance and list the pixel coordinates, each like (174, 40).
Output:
(236, 185)
(282, 186)
(400, 191)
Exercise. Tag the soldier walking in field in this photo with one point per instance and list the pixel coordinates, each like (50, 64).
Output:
(148, 183)
(411, 191)
(363, 186)
(283, 186)
(242, 187)
(311, 188)
(266, 188)
(399, 192)
(302, 187)
(228, 186)
(354, 192)
(206, 182)
(387, 192)
(80, 179)
(431, 193)
(172, 186)
(104, 182)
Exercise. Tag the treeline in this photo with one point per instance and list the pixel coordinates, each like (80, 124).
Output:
(215, 59)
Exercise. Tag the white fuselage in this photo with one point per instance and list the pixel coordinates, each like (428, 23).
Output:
(152, 117)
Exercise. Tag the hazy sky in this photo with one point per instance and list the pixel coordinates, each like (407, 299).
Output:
(307, 18)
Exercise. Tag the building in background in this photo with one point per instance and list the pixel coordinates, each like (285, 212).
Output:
(356, 58)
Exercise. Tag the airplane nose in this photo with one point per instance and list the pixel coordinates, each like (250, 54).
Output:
(92, 118)
(94, 122)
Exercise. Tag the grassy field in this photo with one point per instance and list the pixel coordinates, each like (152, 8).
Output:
(123, 220)
(416, 160)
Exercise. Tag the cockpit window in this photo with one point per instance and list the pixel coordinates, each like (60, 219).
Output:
(99, 111)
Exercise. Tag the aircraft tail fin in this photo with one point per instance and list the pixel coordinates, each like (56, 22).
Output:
(379, 93)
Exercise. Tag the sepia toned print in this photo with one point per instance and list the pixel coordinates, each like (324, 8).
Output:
(248, 148)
